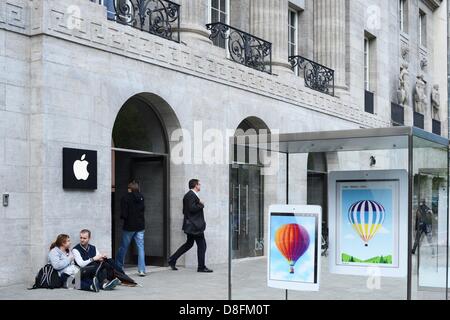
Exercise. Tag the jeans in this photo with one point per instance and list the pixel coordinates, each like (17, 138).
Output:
(127, 236)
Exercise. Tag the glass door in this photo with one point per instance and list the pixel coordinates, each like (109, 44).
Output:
(429, 221)
(247, 212)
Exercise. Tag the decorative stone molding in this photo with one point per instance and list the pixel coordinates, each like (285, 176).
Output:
(435, 103)
(50, 18)
(14, 15)
(404, 51)
(420, 95)
(433, 4)
(423, 63)
(403, 88)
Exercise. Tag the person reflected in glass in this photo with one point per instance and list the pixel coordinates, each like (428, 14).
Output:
(424, 226)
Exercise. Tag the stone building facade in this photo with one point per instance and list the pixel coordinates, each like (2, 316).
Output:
(67, 71)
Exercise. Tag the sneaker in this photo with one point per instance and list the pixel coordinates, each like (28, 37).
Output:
(70, 283)
(111, 284)
(95, 286)
(142, 274)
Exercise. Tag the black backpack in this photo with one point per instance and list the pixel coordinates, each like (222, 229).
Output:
(47, 278)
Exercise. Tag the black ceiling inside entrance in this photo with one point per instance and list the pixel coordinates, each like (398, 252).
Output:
(138, 127)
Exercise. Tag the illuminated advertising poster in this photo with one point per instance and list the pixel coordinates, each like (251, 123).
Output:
(294, 253)
(366, 226)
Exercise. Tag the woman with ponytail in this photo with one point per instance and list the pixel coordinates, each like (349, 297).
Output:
(61, 258)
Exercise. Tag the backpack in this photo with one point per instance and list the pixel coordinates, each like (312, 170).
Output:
(47, 278)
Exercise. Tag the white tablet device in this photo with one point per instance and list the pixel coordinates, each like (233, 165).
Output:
(368, 223)
(294, 247)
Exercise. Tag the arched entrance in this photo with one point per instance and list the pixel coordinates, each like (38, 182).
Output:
(247, 196)
(141, 152)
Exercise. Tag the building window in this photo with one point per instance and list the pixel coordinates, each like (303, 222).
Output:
(369, 68)
(367, 64)
(219, 13)
(403, 15)
(422, 29)
(293, 35)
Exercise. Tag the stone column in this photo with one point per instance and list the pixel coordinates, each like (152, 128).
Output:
(194, 16)
(330, 37)
(269, 21)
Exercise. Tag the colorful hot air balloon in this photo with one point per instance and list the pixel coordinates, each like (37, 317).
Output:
(292, 240)
(366, 217)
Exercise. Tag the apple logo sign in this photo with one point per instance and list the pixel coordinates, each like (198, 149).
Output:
(80, 168)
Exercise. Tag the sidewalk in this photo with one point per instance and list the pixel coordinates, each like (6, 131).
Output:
(249, 283)
(159, 284)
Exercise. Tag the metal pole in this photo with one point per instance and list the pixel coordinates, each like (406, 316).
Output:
(287, 198)
(446, 269)
(448, 154)
(229, 256)
(410, 214)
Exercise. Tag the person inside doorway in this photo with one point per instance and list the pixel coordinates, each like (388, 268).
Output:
(62, 260)
(424, 226)
(95, 272)
(194, 226)
(132, 211)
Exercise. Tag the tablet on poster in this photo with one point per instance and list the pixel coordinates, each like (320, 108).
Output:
(294, 252)
(368, 220)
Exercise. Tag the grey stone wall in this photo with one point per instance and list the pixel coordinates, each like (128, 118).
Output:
(62, 87)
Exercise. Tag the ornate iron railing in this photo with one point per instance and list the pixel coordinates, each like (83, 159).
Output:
(158, 17)
(243, 47)
(317, 76)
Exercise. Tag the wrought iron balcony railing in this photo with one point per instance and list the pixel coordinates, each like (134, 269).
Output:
(158, 17)
(243, 47)
(317, 76)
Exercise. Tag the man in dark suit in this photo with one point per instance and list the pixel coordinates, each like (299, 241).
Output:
(194, 226)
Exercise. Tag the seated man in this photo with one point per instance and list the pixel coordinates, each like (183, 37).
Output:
(93, 271)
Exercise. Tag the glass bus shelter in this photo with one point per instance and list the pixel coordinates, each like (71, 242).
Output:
(424, 157)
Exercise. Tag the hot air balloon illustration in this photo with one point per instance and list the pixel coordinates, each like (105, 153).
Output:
(292, 240)
(366, 217)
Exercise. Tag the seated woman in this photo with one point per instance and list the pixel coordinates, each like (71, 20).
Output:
(62, 260)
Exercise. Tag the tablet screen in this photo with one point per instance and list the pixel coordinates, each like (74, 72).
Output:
(294, 246)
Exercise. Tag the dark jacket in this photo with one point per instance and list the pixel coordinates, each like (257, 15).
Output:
(132, 211)
(194, 219)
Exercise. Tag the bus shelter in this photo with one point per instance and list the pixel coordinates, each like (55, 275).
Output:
(400, 249)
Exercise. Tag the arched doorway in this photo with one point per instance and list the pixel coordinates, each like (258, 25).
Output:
(317, 189)
(247, 196)
(140, 152)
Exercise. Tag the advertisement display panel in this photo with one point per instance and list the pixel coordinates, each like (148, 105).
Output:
(294, 252)
(368, 223)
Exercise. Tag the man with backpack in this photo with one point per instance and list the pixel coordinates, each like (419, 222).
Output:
(94, 272)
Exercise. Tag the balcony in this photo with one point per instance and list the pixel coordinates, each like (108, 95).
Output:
(243, 47)
(158, 17)
(317, 76)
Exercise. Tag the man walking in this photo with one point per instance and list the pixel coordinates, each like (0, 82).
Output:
(194, 226)
(133, 214)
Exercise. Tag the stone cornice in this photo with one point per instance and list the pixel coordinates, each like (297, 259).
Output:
(51, 18)
(433, 4)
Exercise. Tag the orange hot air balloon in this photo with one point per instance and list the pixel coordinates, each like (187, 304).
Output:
(292, 240)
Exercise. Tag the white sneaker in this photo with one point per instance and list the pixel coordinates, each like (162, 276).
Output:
(70, 283)
(142, 274)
